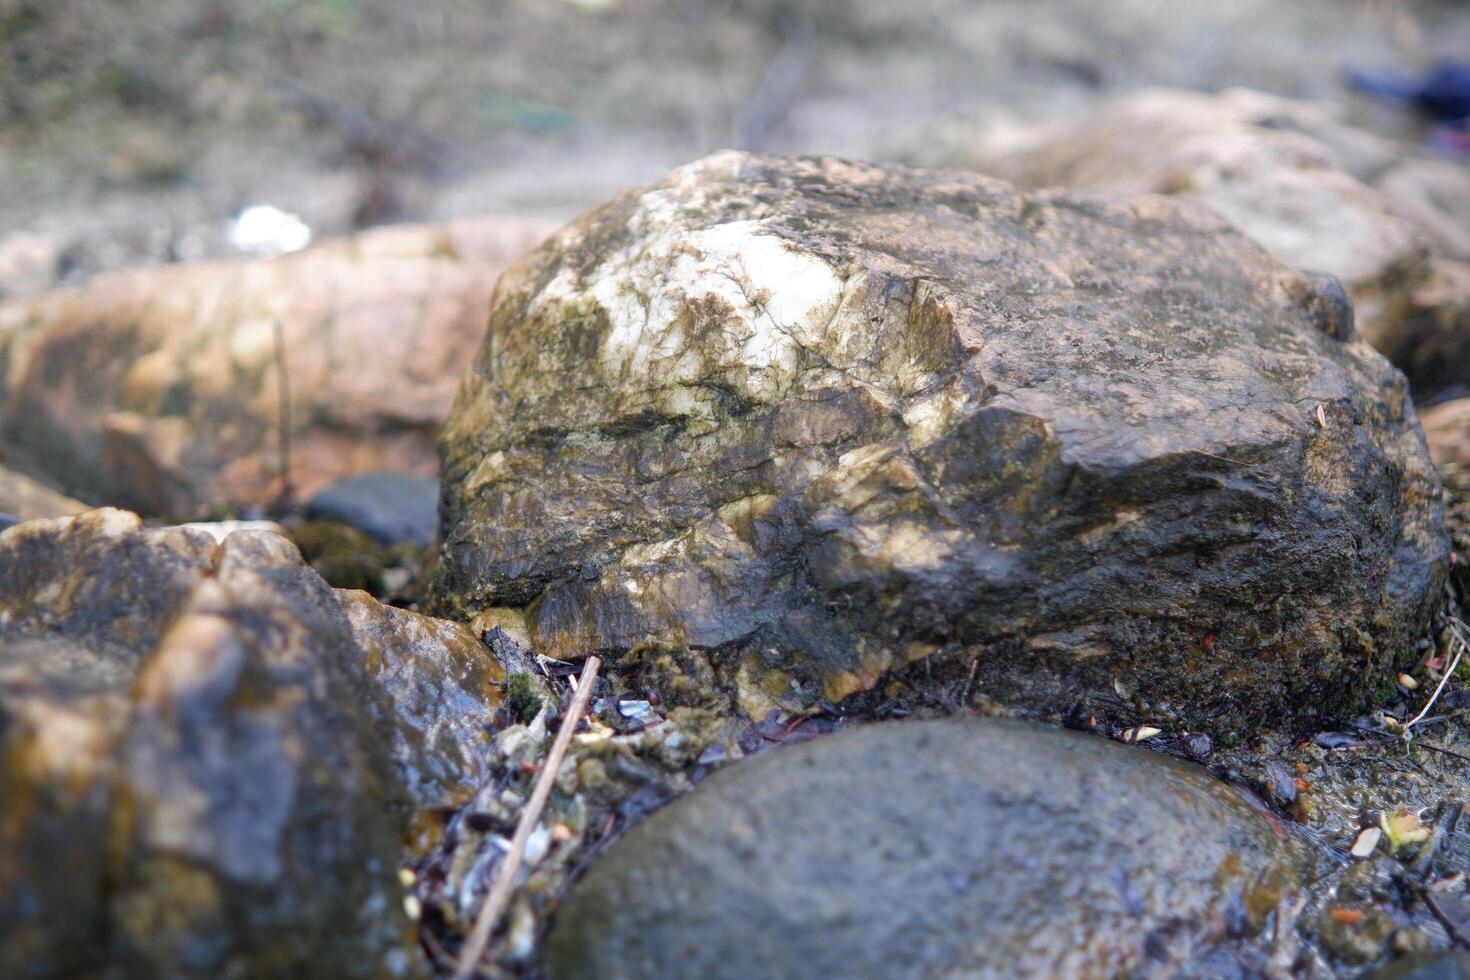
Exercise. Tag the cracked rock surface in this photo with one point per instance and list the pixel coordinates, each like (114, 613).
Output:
(826, 423)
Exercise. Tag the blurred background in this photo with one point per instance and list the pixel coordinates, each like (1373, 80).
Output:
(158, 158)
(134, 132)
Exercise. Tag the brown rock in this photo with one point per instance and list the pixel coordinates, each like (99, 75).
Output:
(28, 499)
(821, 419)
(159, 389)
(197, 748)
(1447, 430)
(443, 688)
(1318, 193)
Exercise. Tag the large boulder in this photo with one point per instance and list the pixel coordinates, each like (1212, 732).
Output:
(197, 748)
(160, 389)
(957, 848)
(1317, 192)
(821, 419)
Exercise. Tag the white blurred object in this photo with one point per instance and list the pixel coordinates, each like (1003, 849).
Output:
(29, 263)
(263, 229)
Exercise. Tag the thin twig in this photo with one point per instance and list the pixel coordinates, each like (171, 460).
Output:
(474, 948)
(1225, 459)
(969, 680)
(1445, 749)
(1449, 672)
(283, 420)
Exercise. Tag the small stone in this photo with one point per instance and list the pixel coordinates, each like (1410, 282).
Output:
(1199, 746)
(1366, 842)
(392, 508)
(1280, 784)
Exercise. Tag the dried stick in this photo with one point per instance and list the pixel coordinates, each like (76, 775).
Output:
(474, 947)
(283, 413)
(1455, 626)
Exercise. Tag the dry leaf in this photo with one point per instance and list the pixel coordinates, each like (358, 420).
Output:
(1403, 828)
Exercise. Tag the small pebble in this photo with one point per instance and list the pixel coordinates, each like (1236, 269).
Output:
(390, 507)
(1281, 784)
(1199, 746)
(1366, 842)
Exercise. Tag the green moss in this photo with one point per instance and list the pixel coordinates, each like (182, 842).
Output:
(343, 555)
(521, 698)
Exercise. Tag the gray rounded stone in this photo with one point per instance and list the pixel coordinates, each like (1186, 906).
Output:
(962, 847)
(392, 508)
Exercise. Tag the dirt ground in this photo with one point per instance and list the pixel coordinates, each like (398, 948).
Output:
(131, 131)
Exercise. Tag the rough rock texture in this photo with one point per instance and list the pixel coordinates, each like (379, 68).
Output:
(196, 742)
(443, 687)
(964, 847)
(823, 418)
(1318, 193)
(30, 500)
(158, 389)
(1447, 430)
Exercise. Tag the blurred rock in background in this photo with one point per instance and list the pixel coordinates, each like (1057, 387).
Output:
(1388, 220)
(160, 389)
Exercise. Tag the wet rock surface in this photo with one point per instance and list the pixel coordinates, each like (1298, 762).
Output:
(198, 753)
(821, 420)
(952, 848)
(443, 690)
(160, 389)
(1387, 219)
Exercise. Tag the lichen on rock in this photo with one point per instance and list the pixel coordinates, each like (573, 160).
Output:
(819, 420)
